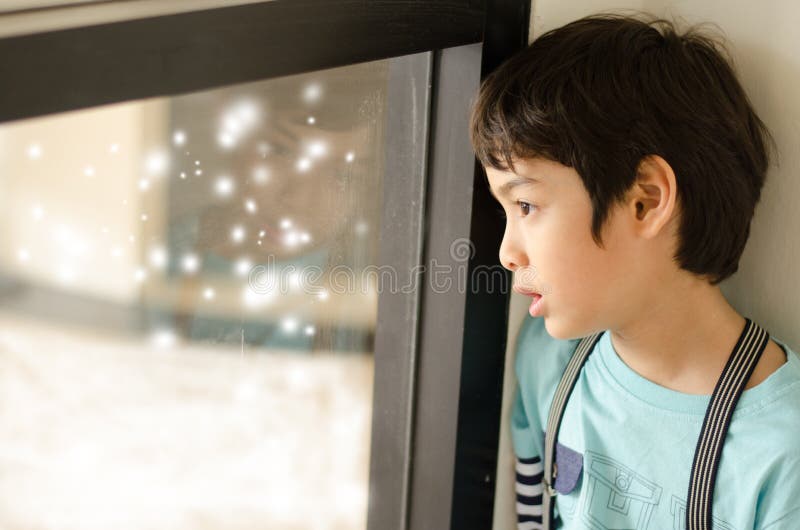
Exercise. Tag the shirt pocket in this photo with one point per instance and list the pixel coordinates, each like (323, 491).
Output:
(568, 478)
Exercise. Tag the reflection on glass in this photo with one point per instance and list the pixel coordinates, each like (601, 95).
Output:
(185, 333)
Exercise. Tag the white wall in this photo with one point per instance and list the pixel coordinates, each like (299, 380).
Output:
(762, 38)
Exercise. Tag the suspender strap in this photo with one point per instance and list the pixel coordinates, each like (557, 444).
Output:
(557, 407)
(730, 385)
(740, 366)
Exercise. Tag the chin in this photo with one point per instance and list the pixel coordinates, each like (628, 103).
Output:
(562, 333)
(552, 329)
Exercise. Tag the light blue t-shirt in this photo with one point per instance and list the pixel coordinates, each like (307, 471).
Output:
(626, 444)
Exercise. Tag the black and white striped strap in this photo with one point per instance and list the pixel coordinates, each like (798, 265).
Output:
(557, 407)
(730, 385)
(729, 388)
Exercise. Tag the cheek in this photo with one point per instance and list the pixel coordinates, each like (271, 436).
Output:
(582, 277)
(577, 276)
(595, 280)
(573, 266)
(554, 252)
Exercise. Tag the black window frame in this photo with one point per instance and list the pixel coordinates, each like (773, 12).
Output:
(439, 356)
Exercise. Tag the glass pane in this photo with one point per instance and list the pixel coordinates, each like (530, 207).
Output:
(185, 336)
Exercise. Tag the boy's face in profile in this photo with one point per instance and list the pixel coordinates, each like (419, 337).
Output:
(548, 245)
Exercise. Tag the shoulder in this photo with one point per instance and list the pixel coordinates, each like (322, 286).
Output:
(777, 423)
(772, 416)
(771, 360)
(780, 407)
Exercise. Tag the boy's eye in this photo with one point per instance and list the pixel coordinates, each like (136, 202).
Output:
(525, 209)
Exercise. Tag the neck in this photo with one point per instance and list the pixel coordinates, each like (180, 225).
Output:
(680, 342)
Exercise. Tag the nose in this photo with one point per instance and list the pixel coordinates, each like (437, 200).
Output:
(512, 252)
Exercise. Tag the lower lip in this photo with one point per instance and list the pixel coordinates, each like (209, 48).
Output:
(536, 306)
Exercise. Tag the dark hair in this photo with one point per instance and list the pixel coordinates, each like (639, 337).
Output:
(601, 93)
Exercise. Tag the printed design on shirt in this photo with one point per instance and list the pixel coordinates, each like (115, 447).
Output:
(677, 508)
(616, 497)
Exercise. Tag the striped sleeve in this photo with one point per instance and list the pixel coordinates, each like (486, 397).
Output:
(529, 493)
(529, 468)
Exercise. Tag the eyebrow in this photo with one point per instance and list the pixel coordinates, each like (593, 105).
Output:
(509, 185)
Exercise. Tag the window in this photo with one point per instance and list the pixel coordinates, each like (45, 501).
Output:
(214, 303)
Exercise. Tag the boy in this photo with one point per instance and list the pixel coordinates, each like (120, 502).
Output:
(629, 162)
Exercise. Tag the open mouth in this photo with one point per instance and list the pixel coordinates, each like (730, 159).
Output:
(527, 292)
(535, 308)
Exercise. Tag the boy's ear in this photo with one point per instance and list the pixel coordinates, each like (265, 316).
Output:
(653, 197)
